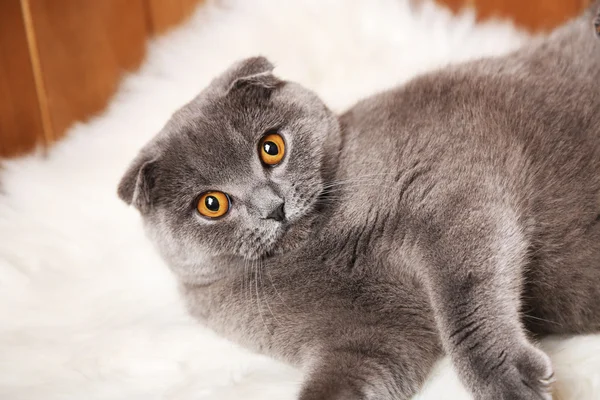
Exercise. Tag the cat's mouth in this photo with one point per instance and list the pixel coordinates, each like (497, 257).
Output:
(266, 244)
(288, 236)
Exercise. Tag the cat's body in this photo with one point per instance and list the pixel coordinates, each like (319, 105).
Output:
(450, 212)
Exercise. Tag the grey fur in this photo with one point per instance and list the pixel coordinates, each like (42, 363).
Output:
(459, 213)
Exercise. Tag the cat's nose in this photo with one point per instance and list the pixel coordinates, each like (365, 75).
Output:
(277, 214)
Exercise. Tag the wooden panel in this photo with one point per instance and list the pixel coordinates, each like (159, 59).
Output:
(165, 14)
(20, 121)
(61, 60)
(84, 48)
(456, 5)
(535, 15)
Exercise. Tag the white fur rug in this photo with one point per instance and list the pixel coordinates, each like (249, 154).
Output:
(87, 309)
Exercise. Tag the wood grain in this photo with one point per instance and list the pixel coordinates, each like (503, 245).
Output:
(20, 120)
(534, 15)
(84, 49)
(537, 15)
(455, 5)
(61, 60)
(165, 14)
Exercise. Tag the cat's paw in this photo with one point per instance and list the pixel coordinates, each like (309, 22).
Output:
(525, 374)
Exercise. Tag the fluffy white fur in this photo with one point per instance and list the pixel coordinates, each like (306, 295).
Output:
(87, 309)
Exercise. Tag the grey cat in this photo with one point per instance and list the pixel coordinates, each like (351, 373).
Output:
(457, 214)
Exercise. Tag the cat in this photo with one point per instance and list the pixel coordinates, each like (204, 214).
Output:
(457, 214)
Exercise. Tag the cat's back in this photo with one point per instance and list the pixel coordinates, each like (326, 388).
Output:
(526, 125)
(532, 112)
(554, 76)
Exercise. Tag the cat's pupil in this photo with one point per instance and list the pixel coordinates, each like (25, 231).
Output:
(271, 148)
(212, 203)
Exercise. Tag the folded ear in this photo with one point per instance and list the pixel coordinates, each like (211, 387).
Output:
(254, 71)
(136, 185)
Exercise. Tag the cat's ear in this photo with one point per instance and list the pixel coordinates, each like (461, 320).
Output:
(137, 184)
(254, 71)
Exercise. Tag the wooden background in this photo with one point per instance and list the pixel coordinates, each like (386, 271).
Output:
(61, 60)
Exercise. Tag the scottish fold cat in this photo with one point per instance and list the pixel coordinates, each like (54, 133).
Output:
(458, 214)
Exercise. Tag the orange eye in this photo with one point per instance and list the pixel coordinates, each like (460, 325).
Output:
(271, 149)
(213, 204)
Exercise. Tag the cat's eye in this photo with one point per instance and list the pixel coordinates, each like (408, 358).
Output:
(271, 149)
(213, 204)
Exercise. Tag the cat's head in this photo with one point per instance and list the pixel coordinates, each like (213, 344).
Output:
(237, 172)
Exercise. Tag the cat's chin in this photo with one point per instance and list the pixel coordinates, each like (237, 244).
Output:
(294, 236)
(289, 238)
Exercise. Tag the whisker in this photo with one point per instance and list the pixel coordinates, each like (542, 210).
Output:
(540, 319)
(358, 185)
(266, 299)
(255, 270)
(350, 180)
(245, 278)
(277, 291)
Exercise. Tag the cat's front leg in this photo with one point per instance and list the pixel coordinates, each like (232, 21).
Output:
(357, 339)
(473, 258)
(364, 372)
(336, 377)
